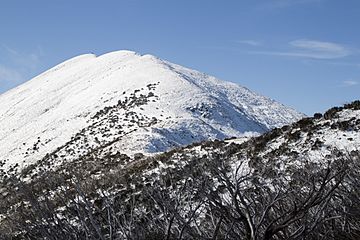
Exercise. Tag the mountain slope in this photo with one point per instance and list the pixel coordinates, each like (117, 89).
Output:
(128, 102)
(300, 181)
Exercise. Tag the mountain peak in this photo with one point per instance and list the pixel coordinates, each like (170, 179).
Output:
(129, 102)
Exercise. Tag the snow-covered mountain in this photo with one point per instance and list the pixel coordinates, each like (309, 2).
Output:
(300, 181)
(126, 102)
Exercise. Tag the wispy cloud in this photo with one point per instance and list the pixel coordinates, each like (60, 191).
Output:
(313, 49)
(9, 75)
(349, 83)
(250, 42)
(26, 60)
(18, 66)
(320, 49)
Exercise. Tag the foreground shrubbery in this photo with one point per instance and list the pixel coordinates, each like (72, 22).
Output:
(210, 197)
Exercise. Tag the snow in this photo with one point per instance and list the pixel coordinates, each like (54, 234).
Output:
(46, 112)
(329, 136)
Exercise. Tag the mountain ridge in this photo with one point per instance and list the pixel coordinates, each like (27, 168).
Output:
(299, 181)
(48, 111)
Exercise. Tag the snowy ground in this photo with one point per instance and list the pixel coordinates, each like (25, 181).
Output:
(49, 111)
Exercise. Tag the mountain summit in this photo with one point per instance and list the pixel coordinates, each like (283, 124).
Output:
(126, 102)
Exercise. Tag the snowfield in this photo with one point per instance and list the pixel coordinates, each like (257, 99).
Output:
(128, 102)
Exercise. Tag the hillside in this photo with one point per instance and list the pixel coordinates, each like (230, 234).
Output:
(129, 102)
(299, 181)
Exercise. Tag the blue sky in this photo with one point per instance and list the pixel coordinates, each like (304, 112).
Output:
(303, 53)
